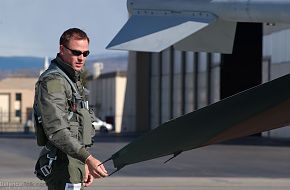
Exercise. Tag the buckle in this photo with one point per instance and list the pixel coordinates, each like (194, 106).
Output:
(51, 158)
(46, 170)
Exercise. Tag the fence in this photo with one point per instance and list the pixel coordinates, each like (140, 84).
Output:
(9, 122)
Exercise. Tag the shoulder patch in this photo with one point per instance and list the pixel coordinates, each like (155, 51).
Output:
(54, 86)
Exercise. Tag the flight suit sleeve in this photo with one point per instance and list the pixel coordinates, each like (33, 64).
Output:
(53, 108)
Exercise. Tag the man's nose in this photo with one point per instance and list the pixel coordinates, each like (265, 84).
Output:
(81, 57)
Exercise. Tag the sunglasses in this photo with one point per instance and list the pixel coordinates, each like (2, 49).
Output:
(78, 52)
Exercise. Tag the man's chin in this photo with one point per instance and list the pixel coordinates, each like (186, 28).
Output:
(78, 68)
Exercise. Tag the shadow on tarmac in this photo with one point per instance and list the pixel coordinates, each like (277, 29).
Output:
(229, 159)
(129, 137)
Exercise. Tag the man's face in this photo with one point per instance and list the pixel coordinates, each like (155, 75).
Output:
(67, 54)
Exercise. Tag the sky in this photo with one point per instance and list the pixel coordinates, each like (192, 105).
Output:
(33, 27)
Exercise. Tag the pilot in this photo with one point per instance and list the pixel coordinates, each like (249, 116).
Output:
(63, 120)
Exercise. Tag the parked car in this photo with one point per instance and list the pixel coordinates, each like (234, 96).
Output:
(102, 126)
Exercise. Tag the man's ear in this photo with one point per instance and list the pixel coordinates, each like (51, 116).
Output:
(61, 49)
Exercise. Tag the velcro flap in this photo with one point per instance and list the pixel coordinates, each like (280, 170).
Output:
(54, 86)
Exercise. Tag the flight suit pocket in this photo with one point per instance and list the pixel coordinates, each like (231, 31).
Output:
(74, 129)
(86, 126)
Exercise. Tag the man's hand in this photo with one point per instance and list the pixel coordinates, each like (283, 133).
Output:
(95, 169)
(88, 177)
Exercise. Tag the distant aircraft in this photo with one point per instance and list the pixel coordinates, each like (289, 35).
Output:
(193, 25)
(203, 25)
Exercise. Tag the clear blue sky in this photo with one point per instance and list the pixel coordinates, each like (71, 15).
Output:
(33, 27)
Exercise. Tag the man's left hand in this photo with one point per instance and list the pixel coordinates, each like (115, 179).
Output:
(88, 177)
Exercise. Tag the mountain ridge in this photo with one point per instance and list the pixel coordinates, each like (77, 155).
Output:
(30, 66)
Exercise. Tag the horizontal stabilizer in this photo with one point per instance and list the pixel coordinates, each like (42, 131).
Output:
(255, 110)
(156, 33)
(218, 37)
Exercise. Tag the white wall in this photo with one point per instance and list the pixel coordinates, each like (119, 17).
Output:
(107, 97)
(4, 108)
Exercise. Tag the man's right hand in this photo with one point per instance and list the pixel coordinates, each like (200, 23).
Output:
(96, 170)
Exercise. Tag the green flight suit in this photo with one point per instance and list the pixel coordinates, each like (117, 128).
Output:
(63, 125)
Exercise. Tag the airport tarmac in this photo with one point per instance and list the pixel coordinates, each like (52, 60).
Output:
(236, 166)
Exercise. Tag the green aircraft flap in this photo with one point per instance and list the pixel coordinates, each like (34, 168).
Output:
(203, 126)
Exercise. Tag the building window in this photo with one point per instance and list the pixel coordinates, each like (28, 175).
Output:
(18, 113)
(18, 96)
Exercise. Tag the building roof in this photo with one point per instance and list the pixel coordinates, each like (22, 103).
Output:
(113, 74)
(18, 83)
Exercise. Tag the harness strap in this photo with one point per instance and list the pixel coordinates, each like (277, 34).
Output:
(51, 155)
(58, 70)
(76, 94)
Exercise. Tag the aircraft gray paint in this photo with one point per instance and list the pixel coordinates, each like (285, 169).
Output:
(193, 25)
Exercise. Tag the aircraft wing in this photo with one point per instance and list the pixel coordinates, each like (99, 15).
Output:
(258, 109)
(154, 31)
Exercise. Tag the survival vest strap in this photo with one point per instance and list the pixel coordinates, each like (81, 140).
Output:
(58, 70)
